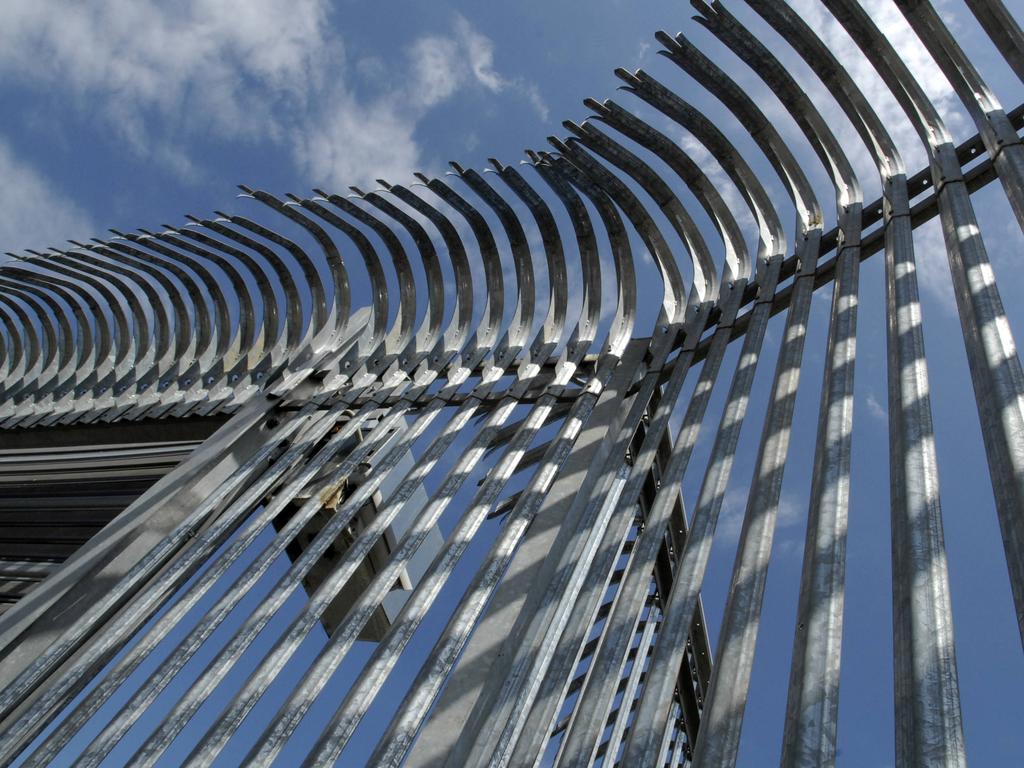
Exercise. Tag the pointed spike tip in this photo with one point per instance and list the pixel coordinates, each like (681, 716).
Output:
(665, 38)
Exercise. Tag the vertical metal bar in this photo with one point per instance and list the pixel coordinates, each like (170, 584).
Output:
(929, 727)
(581, 737)
(146, 599)
(269, 745)
(556, 482)
(991, 350)
(655, 703)
(140, 650)
(718, 741)
(814, 680)
(600, 490)
(922, 611)
(243, 638)
(636, 674)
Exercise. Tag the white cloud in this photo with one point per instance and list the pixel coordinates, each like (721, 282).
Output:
(192, 60)
(641, 53)
(479, 51)
(354, 144)
(875, 408)
(894, 26)
(532, 94)
(30, 206)
(436, 78)
(933, 265)
(481, 55)
(358, 142)
(244, 69)
(730, 522)
(444, 64)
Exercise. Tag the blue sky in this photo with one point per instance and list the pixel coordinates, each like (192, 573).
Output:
(131, 114)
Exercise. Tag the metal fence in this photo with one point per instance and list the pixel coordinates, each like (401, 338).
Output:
(448, 528)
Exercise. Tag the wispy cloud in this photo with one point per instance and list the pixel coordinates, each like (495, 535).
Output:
(933, 265)
(29, 205)
(730, 522)
(255, 70)
(479, 54)
(875, 408)
(196, 60)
